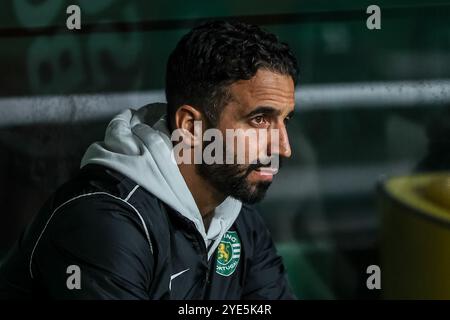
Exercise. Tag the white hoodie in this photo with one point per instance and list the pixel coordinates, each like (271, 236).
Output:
(144, 154)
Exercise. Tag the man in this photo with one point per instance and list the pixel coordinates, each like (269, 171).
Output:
(138, 223)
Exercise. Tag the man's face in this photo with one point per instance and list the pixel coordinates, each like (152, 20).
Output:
(263, 105)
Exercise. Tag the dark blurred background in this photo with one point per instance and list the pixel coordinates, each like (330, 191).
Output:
(370, 104)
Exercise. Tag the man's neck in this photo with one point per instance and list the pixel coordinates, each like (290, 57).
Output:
(205, 196)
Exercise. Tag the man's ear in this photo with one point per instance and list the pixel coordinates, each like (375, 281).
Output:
(189, 121)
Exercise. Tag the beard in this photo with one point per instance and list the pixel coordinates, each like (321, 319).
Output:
(231, 180)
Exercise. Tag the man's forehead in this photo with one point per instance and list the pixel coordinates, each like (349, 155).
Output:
(265, 88)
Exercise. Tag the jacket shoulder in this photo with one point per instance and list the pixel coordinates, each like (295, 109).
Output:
(251, 219)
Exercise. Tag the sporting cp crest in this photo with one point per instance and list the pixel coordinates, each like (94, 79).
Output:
(228, 254)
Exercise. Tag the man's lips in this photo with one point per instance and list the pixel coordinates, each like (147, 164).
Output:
(267, 171)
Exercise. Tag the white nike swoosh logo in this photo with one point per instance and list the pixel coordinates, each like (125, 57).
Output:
(174, 276)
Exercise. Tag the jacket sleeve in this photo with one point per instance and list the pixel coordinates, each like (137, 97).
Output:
(266, 275)
(99, 244)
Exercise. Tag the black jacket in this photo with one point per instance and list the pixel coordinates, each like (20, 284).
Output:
(130, 245)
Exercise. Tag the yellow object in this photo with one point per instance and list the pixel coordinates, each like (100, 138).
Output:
(415, 237)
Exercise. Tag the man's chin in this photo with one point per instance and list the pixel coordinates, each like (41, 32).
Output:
(253, 194)
(235, 181)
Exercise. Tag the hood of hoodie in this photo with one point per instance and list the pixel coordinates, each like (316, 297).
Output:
(144, 153)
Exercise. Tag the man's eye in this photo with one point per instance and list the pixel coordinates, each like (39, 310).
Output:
(286, 120)
(259, 120)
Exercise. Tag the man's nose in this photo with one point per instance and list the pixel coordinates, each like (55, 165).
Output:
(285, 147)
(279, 142)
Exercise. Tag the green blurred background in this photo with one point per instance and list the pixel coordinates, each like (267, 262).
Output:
(370, 104)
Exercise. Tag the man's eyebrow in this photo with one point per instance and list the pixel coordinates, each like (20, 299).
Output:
(265, 110)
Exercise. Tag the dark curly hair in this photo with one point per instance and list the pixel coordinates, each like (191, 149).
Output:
(214, 55)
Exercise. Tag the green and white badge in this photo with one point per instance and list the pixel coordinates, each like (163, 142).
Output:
(228, 253)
